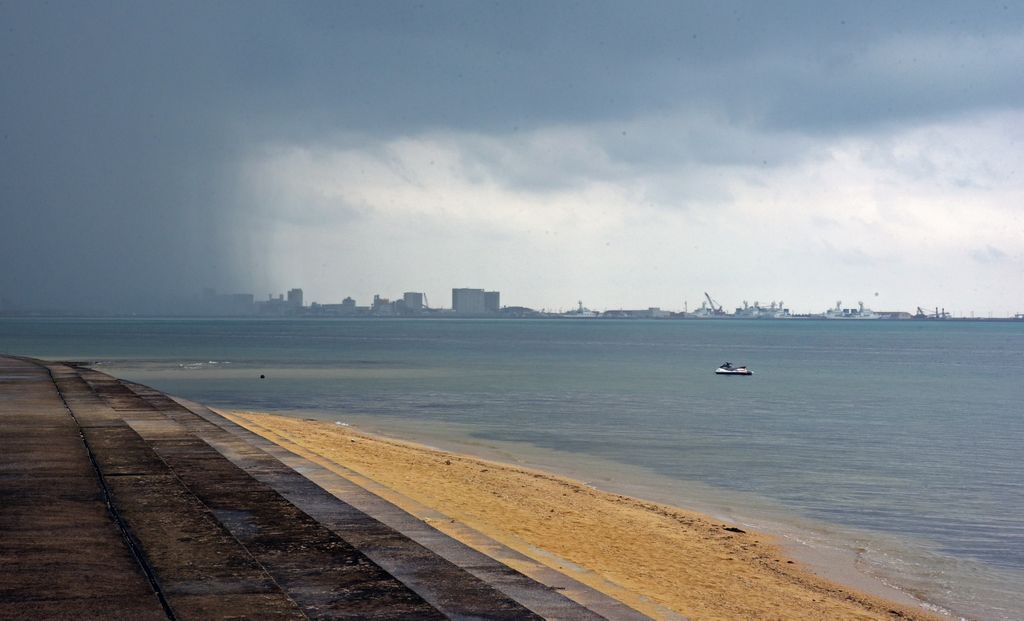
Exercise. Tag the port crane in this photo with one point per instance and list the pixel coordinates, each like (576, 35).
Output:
(716, 308)
(936, 315)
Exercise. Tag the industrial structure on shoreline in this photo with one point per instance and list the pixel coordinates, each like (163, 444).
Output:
(479, 303)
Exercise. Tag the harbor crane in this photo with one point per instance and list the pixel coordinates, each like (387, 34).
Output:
(716, 308)
(936, 315)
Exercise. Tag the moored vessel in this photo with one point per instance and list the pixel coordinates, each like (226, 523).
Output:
(580, 313)
(851, 313)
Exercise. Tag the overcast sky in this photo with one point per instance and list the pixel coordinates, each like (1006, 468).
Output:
(626, 154)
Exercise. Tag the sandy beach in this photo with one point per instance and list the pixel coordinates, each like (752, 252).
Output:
(654, 557)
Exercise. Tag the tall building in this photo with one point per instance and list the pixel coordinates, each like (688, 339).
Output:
(475, 302)
(492, 301)
(295, 298)
(413, 301)
(468, 301)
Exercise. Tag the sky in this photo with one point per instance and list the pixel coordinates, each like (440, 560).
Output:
(622, 154)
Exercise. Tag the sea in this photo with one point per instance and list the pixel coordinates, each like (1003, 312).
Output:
(895, 445)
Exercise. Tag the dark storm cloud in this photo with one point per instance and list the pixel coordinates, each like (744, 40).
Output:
(392, 67)
(122, 122)
(113, 151)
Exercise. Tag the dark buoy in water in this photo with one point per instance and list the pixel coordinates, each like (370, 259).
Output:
(262, 376)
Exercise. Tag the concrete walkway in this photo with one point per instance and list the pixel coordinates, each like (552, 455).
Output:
(118, 502)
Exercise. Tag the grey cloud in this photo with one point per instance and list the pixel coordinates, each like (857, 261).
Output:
(686, 155)
(400, 67)
(111, 179)
(802, 65)
(122, 122)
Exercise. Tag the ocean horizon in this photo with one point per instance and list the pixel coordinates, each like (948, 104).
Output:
(898, 443)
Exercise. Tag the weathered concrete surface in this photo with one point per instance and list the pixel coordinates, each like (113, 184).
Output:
(61, 555)
(427, 560)
(558, 602)
(118, 502)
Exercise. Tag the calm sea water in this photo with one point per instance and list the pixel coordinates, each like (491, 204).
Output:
(902, 439)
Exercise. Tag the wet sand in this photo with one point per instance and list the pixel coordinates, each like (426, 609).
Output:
(653, 557)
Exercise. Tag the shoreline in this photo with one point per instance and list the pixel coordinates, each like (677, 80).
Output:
(653, 556)
(827, 550)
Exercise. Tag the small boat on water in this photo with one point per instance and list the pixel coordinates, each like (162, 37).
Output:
(728, 369)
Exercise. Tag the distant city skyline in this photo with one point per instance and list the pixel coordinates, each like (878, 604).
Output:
(620, 154)
(477, 302)
(236, 303)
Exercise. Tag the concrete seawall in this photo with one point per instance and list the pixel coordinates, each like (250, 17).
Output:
(119, 502)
